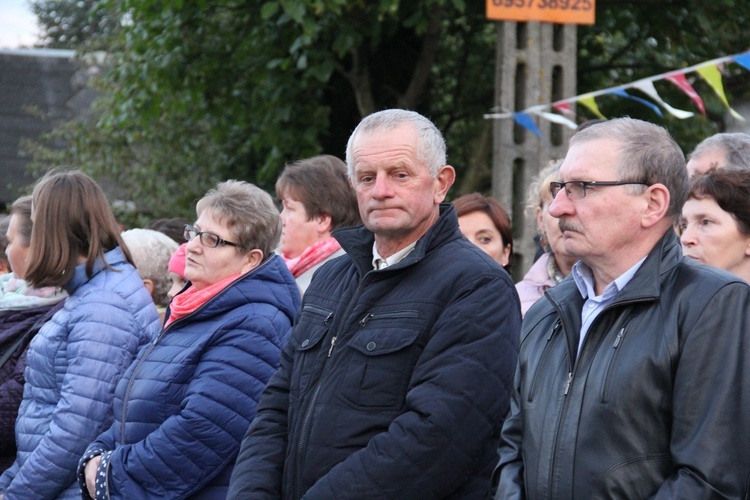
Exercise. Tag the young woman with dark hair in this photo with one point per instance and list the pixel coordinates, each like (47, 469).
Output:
(77, 358)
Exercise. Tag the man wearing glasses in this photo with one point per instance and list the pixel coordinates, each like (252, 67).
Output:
(633, 374)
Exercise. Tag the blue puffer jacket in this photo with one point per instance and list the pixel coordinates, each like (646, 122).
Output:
(182, 408)
(73, 366)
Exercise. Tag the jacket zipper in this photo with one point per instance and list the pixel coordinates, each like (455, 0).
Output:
(543, 359)
(319, 311)
(163, 332)
(571, 372)
(611, 361)
(388, 315)
(304, 431)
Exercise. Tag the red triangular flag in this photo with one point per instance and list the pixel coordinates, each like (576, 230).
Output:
(682, 83)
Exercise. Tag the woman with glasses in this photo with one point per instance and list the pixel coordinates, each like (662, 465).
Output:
(715, 223)
(74, 362)
(184, 405)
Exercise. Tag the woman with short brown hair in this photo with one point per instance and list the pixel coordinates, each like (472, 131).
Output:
(316, 198)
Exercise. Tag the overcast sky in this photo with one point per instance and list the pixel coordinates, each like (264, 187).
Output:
(17, 24)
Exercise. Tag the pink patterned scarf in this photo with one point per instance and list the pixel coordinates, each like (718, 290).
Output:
(314, 254)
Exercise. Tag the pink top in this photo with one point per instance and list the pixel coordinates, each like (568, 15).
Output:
(532, 287)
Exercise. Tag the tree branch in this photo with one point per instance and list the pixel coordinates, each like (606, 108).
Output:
(422, 69)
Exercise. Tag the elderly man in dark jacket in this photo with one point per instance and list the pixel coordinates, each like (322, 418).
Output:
(634, 372)
(396, 378)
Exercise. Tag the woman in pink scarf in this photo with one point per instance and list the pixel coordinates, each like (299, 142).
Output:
(317, 198)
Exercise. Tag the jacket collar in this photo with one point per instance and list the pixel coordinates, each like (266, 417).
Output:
(358, 241)
(645, 285)
(665, 255)
(113, 257)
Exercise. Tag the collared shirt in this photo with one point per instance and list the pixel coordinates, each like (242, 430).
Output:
(379, 262)
(595, 304)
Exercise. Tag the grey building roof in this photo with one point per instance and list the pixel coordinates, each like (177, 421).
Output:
(47, 81)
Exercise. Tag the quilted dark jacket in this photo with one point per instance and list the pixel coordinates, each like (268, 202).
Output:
(17, 328)
(395, 382)
(656, 403)
(185, 403)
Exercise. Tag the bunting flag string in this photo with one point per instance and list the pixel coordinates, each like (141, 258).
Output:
(709, 71)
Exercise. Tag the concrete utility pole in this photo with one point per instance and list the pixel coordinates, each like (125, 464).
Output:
(535, 64)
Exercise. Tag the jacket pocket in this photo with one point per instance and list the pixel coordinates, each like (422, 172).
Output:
(312, 326)
(381, 359)
(634, 477)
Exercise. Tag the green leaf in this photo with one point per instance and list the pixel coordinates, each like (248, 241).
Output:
(294, 8)
(269, 10)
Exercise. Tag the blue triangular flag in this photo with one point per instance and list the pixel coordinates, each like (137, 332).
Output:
(622, 93)
(743, 60)
(526, 121)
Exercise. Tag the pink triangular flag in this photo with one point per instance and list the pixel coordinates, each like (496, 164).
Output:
(681, 82)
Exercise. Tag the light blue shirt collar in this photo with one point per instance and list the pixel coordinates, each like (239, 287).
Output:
(595, 304)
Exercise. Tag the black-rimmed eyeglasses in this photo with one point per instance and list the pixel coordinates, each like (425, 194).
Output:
(211, 240)
(575, 190)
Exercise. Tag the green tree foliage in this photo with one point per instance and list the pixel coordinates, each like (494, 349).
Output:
(196, 92)
(67, 24)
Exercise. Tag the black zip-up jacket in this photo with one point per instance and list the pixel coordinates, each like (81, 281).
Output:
(394, 383)
(657, 403)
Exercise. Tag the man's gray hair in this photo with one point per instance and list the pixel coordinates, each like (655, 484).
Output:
(430, 146)
(248, 212)
(734, 146)
(647, 154)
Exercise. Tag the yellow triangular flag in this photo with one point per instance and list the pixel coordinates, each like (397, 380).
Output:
(712, 75)
(589, 102)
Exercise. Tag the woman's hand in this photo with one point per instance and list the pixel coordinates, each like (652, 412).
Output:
(90, 473)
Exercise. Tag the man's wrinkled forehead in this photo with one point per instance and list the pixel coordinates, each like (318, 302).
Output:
(595, 159)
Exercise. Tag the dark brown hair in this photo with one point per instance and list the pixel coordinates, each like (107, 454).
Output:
(72, 219)
(22, 208)
(730, 188)
(497, 213)
(322, 186)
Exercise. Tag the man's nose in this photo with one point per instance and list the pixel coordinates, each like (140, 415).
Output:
(382, 187)
(560, 205)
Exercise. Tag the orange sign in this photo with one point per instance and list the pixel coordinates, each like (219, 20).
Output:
(551, 11)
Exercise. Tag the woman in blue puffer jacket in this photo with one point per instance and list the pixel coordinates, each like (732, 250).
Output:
(77, 358)
(183, 407)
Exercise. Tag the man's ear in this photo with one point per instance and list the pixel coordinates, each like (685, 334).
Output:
(253, 260)
(445, 178)
(657, 204)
